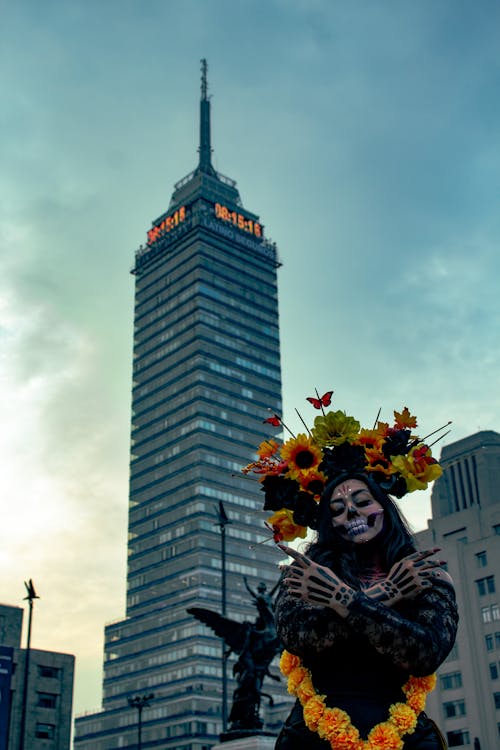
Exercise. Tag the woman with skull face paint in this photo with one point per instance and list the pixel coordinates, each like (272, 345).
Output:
(362, 613)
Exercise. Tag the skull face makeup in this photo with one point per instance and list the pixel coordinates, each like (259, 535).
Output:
(355, 512)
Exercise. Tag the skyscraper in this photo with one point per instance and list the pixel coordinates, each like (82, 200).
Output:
(466, 525)
(206, 372)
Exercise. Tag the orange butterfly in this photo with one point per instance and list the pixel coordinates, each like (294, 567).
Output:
(325, 400)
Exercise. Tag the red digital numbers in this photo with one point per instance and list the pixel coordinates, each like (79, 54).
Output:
(168, 223)
(238, 220)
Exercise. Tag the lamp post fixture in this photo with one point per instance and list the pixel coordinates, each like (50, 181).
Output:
(30, 588)
(140, 702)
(222, 521)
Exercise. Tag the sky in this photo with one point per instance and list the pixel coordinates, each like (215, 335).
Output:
(365, 134)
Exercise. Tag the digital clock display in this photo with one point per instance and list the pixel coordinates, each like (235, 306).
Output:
(169, 222)
(238, 220)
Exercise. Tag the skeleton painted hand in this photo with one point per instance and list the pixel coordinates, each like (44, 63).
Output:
(407, 578)
(315, 583)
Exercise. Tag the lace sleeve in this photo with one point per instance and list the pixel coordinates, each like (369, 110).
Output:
(418, 642)
(304, 628)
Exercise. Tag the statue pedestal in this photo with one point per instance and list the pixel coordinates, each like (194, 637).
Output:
(252, 742)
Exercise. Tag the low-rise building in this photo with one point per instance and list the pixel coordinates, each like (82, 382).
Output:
(466, 526)
(49, 690)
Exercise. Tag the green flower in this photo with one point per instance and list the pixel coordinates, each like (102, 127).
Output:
(335, 428)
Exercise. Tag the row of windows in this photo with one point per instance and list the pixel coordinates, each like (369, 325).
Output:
(451, 680)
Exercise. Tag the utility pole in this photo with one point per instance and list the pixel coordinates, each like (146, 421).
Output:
(30, 588)
(140, 702)
(222, 521)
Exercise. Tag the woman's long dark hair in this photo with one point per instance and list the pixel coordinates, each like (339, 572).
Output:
(347, 559)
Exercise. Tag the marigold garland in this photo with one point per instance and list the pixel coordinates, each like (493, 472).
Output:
(334, 724)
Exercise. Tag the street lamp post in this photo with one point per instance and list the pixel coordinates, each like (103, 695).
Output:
(30, 588)
(222, 521)
(140, 702)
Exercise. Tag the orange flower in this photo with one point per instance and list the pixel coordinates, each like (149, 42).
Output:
(378, 462)
(385, 737)
(312, 481)
(403, 717)
(295, 678)
(370, 439)
(267, 448)
(404, 419)
(333, 722)
(283, 526)
(416, 700)
(305, 691)
(288, 662)
(423, 683)
(313, 711)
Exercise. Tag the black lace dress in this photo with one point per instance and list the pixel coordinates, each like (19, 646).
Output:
(361, 662)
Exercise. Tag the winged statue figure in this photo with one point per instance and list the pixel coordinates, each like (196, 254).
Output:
(256, 644)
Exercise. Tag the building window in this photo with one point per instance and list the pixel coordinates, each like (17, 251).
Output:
(496, 698)
(481, 559)
(45, 671)
(47, 700)
(493, 671)
(486, 585)
(454, 708)
(489, 614)
(496, 529)
(458, 737)
(451, 680)
(45, 731)
(488, 639)
(497, 640)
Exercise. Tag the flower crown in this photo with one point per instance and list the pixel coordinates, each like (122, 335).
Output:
(295, 473)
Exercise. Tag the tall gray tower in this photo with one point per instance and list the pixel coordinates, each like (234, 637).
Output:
(206, 372)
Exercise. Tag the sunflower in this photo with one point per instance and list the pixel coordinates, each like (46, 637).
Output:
(335, 428)
(301, 454)
(376, 461)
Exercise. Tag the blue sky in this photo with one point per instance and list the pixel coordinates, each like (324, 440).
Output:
(365, 135)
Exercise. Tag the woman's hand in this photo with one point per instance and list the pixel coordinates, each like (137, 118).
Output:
(407, 578)
(316, 584)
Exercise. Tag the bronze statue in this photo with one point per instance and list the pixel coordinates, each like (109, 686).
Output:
(256, 645)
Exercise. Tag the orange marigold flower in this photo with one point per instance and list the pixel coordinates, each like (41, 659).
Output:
(288, 662)
(384, 736)
(313, 711)
(312, 481)
(267, 448)
(295, 678)
(404, 419)
(283, 526)
(416, 700)
(403, 717)
(301, 454)
(306, 691)
(334, 722)
(423, 683)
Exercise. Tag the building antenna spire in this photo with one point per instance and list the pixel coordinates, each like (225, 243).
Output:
(205, 150)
